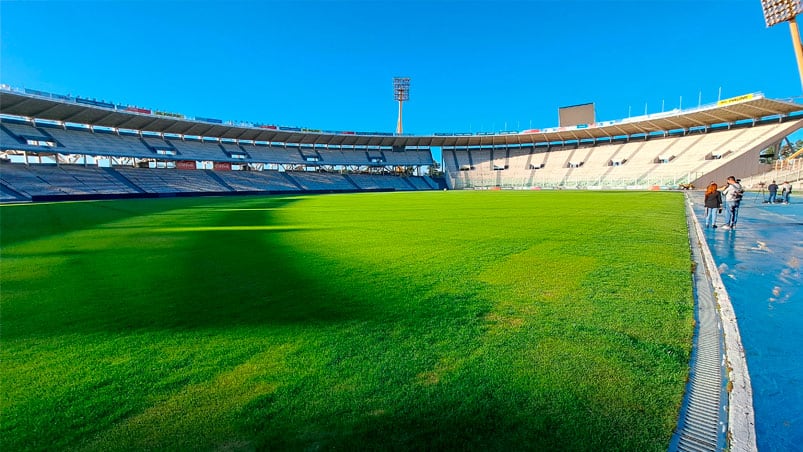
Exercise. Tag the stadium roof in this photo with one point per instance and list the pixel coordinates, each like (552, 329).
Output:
(63, 109)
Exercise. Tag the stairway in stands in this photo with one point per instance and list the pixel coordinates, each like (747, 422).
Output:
(292, 181)
(219, 180)
(124, 180)
(410, 184)
(9, 194)
(351, 181)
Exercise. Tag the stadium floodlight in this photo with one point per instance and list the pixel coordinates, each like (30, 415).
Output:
(401, 92)
(777, 11)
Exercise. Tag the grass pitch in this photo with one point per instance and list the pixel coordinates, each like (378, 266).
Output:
(458, 320)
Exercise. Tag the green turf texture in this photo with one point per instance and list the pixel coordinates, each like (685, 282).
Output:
(383, 321)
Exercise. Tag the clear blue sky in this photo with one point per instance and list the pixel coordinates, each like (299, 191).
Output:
(475, 66)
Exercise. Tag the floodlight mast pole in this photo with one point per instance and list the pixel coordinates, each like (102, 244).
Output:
(401, 92)
(793, 28)
(777, 11)
(399, 121)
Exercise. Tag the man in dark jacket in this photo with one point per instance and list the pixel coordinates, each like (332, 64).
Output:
(773, 189)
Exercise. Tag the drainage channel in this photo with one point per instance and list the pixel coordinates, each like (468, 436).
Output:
(713, 418)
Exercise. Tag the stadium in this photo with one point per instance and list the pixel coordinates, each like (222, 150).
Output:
(103, 149)
(172, 281)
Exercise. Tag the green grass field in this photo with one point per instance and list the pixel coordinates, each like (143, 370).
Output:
(438, 320)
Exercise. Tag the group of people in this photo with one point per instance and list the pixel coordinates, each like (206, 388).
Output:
(786, 191)
(728, 199)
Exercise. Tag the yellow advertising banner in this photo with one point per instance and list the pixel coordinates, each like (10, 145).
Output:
(733, 100)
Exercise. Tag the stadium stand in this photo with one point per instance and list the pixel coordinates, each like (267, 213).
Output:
(197, 150)
(28, 182)
(73, 141)
(25, 180)
(374, 182)
(313, 181)
(657, 161)
(20, 135)
(481, 160)
(338, 157)
(153, 153)
(166, 180)
(408, 157)
(435, 184)
(156, 143)
(274, 154)
(233, 150)
(20, 132)
(421, 183)
(52, 180)
(7, 195)
(258, 181)
(7, 137)
(25, 131)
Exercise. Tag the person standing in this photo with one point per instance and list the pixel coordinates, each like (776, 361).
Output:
(733, 197)
(786, 190)
(713, 205)
(773, 189)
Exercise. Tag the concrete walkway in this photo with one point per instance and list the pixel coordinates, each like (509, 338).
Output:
(702, 422)
(760, 265)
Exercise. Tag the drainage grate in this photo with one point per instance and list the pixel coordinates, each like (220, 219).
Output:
(702, 421)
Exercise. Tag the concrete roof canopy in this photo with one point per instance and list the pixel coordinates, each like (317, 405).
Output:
(64, 109)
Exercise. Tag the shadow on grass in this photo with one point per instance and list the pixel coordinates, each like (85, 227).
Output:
(252, 276)
(480, 416)
(45, 254)
(33, 221)
(234, 270)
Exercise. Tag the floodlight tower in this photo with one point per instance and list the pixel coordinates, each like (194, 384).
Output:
(777, 11)
(401, 92)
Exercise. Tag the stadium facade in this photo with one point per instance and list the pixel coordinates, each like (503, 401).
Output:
(56, 146)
